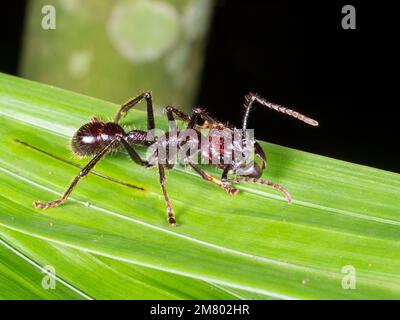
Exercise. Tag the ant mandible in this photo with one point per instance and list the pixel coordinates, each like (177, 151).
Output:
(97, 138)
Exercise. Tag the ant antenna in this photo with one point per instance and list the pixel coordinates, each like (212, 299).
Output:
(251, 97)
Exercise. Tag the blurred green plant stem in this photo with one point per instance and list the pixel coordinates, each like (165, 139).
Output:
(116, 49)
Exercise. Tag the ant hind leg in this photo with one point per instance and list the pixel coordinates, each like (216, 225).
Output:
(81, 174)
(124, 109)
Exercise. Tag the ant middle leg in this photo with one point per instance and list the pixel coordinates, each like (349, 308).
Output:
(123, 110)
(189, 120)
(133, 154)
(171, 111)
(81, 174)
(170, 213)
(214, 180)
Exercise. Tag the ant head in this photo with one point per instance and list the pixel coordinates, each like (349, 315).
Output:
(89, 139)
(201, 122)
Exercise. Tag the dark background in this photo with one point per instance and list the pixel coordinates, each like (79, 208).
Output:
(295, 54)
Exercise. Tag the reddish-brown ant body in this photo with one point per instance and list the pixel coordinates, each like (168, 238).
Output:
(97, 138)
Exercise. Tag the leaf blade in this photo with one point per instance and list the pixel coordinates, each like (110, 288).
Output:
(338, 217)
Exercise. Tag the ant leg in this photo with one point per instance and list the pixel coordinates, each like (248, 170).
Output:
(263, 182)
(134, 155)
(259, 152)
(225, 172)
(252, 97)
(214, 180)
(81, 174)
(209, 121)
(171, 111)
(170, 213)
(196, 112)
(123, 110)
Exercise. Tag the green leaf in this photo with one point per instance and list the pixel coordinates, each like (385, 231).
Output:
(111, 240)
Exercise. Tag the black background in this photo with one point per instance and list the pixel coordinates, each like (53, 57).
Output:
(297, 54)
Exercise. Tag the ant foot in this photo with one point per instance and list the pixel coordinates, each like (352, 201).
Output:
(232, 191)
(288, 197)
(47, 205)
(172, 221)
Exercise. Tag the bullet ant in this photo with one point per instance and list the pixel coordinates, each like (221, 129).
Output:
(97, 138)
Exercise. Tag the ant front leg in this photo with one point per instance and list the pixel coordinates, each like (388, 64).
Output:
(264, 183)
(81, 174)
(214, 180)
(123, 110)
(259, 152)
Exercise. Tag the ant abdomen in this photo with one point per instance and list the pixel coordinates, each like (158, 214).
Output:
(89, 139)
